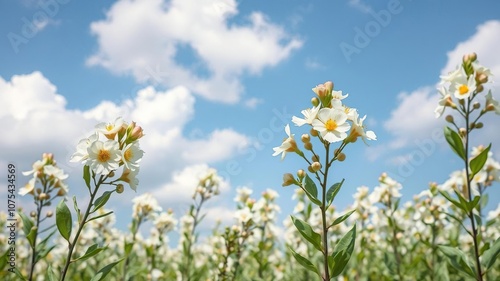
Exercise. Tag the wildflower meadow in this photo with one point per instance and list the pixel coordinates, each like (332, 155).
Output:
(442, 233)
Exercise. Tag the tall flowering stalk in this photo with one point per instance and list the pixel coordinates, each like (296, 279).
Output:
(208, 186)
(113, 145)
(464, 87)
(332, 123)
(51, 178)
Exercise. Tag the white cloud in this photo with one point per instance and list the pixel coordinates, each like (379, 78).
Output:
(313, 64)
(140, 36)
(38, 121)
(253, 102)
(360, 6)
(413, 119)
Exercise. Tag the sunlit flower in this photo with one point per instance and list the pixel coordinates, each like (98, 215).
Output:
(492, 103)
(104, 157)
(338, 95)
(131, 155)
(443, 102)
(288, 145)
(331, 124)
(110, 129)
(81, 154)
(462, 87)
(37, 167)
(309, 114)
(28, 188)
(358, 130)
(242, 194)
(243, 215)
(129, 176)
(165, 222)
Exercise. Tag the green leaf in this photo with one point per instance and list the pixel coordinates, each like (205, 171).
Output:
(128, 247)
(32, 236)
(3, 260)
(91, 251)
(99, 202)
(311, 190)
(27, 223)
(100, 216)
(341, 218)
(86, 175)
(332, 192)
(307, 232)
(50, 274)
(458, 260)
(103, 272)
(489, 257)
(477, 163)
(455, 142)
(455, 202)
(19, 274)
(342, 252)
(304, 262)
(63, 220)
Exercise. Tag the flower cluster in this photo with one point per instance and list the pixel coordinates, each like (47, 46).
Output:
(465, 83)
(111, 146)
(208, 185)
(47, 173)
(329, 119)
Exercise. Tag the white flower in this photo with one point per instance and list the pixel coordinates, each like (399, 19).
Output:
(28, 188)
(243, 215)
(288, 145)
(490, 101)
(145, 206)
(445, 96)
(165, 222)
(54, 172)
(243, 194)
(37, 166)
(451, 75)
(331, 124)
(462, 87)
(358, 130)
(131, 155)
(110, 129)
(81, 154)
(309, 114)
(129, 176)
(337, 95)
(104, 156)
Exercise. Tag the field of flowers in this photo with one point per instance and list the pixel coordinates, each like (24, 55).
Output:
(443, 233)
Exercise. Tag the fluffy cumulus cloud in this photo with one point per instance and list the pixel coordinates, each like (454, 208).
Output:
(39, 122)
(149, 38)
(413, 119)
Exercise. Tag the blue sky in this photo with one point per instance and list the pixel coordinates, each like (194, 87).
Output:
(212, 82)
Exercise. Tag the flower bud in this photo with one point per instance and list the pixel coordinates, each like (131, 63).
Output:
(481, 78)
(50, 214)
(469, 57)
(315, 101)
(32, 214)
(476, 105)
(490, 107)
(111, 174)
(315, 158)
(479, 88)
(329, 85)
(341, 157)
(310, 169)
(301, 174)
(479, 125)
(461, 102)
(61, 192)
(313, 133)
(43, 196)
(316, 166)
(288, 179)
(449, 119)
(119, 188)
(305, 138)
(136, 133)
(38, 190)
(308, 146)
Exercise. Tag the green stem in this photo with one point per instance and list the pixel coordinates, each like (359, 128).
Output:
(323, 216)
(72, 245)
(469, 193)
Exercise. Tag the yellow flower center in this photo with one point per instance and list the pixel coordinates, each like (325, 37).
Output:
(103, 155)
(463, 89)
(128, 154)
(109, 127)
(330, 125)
